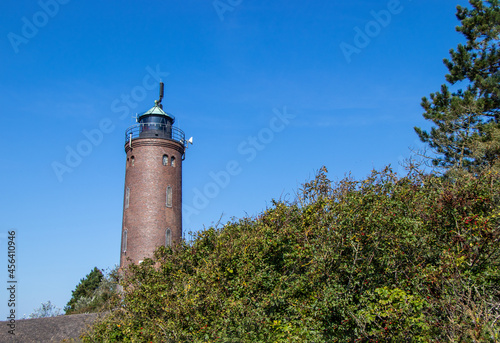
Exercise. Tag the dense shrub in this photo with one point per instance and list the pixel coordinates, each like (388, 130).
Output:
(382, 259)
(96, 292)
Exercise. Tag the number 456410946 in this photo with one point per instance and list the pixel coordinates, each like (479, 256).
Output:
(11, 254)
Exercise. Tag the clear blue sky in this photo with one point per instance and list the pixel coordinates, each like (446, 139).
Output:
(351, 83)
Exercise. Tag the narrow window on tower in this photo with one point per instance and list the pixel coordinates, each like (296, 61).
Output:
(127, 197)
(124, 241)
(169, 196)
(168, 238)
(172, 161)
(165, 160)
(132, 161)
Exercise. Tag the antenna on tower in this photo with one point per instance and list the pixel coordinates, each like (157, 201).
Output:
(158, 102)
(161, 95)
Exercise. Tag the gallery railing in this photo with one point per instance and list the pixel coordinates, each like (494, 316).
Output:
(154, 130)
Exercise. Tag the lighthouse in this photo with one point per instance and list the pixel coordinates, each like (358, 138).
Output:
(152, 204)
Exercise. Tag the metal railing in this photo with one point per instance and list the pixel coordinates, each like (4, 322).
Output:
(154, 130)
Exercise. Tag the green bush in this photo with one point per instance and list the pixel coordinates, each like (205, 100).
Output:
(96, 292)
(382, 259)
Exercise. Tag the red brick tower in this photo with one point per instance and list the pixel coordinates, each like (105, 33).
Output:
(152, 206)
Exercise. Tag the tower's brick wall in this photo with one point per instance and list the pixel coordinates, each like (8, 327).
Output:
(147, 217)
